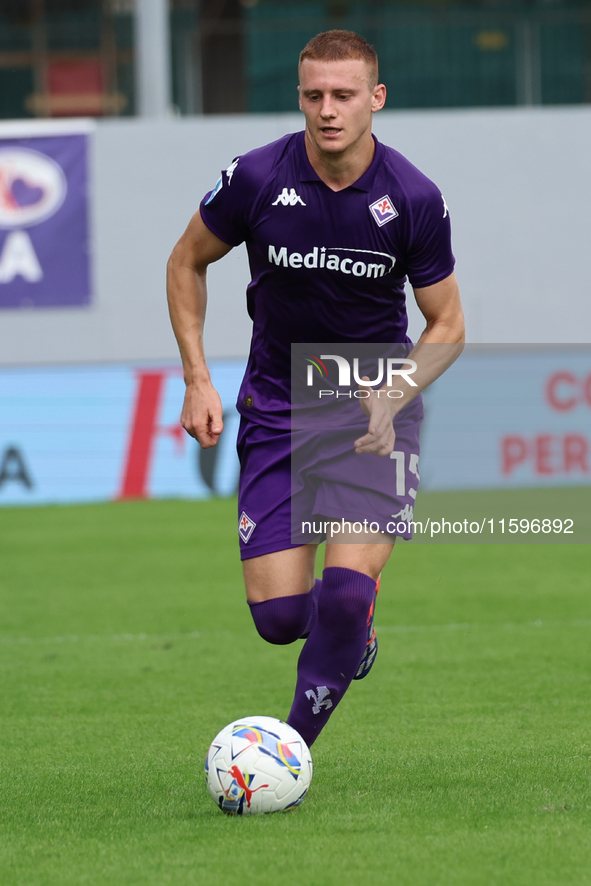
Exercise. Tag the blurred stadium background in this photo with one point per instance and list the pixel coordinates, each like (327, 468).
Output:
(140, 104)
(236, 56)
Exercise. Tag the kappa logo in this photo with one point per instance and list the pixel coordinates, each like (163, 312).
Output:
(288, 198)
(231, 169)
(383, 210)
(320, 698)
(407, 513)
(246, 527)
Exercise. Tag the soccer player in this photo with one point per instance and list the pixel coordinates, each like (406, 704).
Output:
(334, 222)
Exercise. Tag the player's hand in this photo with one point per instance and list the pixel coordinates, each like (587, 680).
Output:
(202, 414)
(380, 437)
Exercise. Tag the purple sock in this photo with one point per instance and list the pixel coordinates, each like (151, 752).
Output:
(282, 620)
(314, 595)
(332, 652)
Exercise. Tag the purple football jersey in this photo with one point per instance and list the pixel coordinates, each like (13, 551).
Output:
(326, 266)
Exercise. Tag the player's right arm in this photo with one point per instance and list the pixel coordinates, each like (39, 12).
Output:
(201, 416)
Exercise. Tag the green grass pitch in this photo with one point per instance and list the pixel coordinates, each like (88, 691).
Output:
(125, 645)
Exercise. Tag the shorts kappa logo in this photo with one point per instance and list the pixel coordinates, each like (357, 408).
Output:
(246, 527)
(383, 210)
(407, 513)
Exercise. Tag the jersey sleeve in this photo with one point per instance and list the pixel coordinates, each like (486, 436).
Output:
(225, 210)
(430, 257)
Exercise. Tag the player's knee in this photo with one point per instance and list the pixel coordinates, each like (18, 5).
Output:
(281, 620)
(278, 631)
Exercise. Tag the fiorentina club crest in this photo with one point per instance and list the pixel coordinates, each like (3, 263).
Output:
(246, 527)
(383, 210)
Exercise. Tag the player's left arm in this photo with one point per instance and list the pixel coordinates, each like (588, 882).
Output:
(441, 307)
(438, 347)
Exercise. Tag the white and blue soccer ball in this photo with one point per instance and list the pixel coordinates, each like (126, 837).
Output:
(258, 765)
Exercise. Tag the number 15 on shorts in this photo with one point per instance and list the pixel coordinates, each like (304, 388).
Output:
(399, 456)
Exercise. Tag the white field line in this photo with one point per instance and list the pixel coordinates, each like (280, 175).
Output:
(89, 638)
(484, 626)
(195, 635)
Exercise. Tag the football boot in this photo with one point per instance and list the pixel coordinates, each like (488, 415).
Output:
(371, 648)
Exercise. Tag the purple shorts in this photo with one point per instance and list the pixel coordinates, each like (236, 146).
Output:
(291, 482)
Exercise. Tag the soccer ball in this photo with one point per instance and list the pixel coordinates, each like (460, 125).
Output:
(258, 764)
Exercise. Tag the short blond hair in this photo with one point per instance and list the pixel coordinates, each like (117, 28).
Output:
(336, 46)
